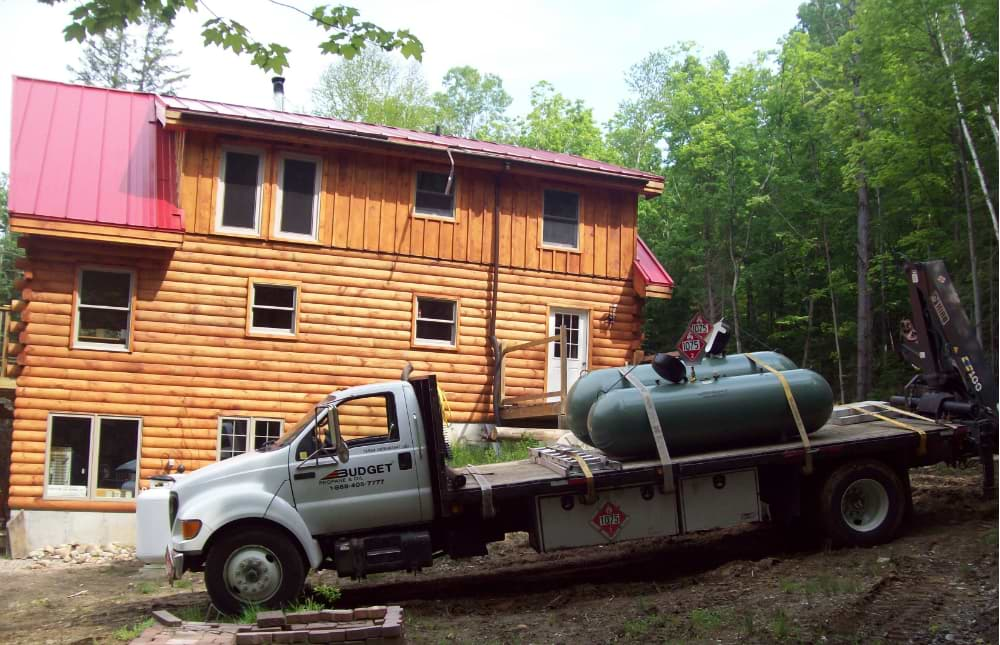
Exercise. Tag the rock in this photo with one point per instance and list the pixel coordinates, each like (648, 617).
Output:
(48, 548)
(92, 549)
(883, 560)
(62, 551)
(34, 555)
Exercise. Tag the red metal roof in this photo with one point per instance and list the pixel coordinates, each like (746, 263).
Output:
(399, 135)
(91, 155)
(650, 268)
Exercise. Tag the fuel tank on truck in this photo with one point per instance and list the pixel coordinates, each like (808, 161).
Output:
(588, 388)
(709, 415)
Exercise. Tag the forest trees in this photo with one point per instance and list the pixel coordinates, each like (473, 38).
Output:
(138, 58)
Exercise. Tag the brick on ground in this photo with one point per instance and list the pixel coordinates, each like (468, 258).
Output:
(271, 619)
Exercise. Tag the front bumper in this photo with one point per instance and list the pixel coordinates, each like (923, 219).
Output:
(175, 565)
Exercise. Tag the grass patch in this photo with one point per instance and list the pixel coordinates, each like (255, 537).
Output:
(706, 620)
(329, 594)
(183, 583)
(781, 626)
(132, 631)
(305, 605)
(465, 453)
(822, 585)
(147, 587)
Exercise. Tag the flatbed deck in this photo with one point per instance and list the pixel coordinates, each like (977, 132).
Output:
(521, 478)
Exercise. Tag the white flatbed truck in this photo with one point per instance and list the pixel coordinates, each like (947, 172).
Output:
(257, 523)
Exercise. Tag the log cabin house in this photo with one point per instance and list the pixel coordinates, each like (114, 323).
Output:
(198, 275)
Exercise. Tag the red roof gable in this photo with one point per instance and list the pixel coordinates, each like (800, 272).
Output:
(91, 155)
(650, 278)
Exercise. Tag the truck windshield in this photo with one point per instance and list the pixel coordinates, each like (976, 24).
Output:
(302, 425)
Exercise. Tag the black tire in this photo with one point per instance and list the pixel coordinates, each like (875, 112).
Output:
(863, 503)
(272, 573)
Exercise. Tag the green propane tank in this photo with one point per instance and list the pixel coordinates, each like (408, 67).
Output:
(709, 415)
(588, 388)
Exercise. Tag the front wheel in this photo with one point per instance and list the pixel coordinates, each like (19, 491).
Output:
(253, 567)
(863, 503)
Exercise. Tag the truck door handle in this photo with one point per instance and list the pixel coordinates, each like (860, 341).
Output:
(405, 461)
(305, 475)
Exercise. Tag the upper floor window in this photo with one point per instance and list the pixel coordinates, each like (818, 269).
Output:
(297, 200)
(435, 321)
(240, 178)
(561, 219)
(238, 435)
(272, 308)
(103, 309)
(434, 196)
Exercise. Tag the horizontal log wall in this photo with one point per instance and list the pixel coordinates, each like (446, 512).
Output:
(192, 361)
(367, 205)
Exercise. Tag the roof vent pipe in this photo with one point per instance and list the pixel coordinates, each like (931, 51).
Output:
(278, 84)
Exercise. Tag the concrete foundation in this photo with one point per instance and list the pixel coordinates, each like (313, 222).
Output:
(31, 530)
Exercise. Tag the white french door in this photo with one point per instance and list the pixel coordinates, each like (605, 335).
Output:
(577, 324)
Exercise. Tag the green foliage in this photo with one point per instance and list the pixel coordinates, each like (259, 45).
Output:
(305, 605)
(9, 250)
(472, 104)
(372, 87)
(329, 594)
(559, 124)
(465, 453)
(248, 615)
(346, 36)
(147, 587)
(132, 631)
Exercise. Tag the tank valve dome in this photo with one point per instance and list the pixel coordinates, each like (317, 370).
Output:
(669, 367)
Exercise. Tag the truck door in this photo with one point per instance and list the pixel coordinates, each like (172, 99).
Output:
(377, 487)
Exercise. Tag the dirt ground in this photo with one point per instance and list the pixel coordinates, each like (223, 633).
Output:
(937, 583)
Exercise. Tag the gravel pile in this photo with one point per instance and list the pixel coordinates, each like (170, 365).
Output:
(81, 554)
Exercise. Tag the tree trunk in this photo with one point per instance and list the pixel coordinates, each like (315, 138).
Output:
(833, 311)
(864, 363)
(977, 305)
(809, 327)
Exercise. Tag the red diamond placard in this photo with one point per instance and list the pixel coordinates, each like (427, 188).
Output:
(699, 326)
(691, 346)
(609, 520)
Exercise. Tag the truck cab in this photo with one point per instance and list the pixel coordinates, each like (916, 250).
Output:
(313, 498)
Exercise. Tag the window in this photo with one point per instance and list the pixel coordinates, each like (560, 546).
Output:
(272, 308)
(367, 420)
(434, 197)
(297, 202)
(103, 309)
(239, 191)
(238, 435)
(91, 457)
(435, 321)
(561, 219)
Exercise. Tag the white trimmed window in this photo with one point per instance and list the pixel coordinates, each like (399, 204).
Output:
(273, 308)
(297, 200)
(92, 457)
(434, 197)
(239, 195)
(435, 321)
(561, 219)
(238, 435)
(103, 309)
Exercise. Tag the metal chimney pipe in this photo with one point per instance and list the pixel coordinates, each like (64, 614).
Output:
(278, 84)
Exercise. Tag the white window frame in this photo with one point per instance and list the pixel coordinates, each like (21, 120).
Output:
(432, 342)
(280, 193)
(434, 213)
(78, 302)
(221, 196)
(92, 461)
(251, 305)
(251, 432)
(558, 245)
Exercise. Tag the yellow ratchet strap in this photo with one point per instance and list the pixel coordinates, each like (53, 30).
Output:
(922, 448)
(654, 425)
(589, 476)
(808, 467)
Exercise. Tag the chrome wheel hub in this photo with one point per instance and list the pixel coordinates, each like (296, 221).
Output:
(253, 573)
(865, 505)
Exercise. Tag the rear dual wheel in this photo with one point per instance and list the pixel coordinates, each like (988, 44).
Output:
(863, 503)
